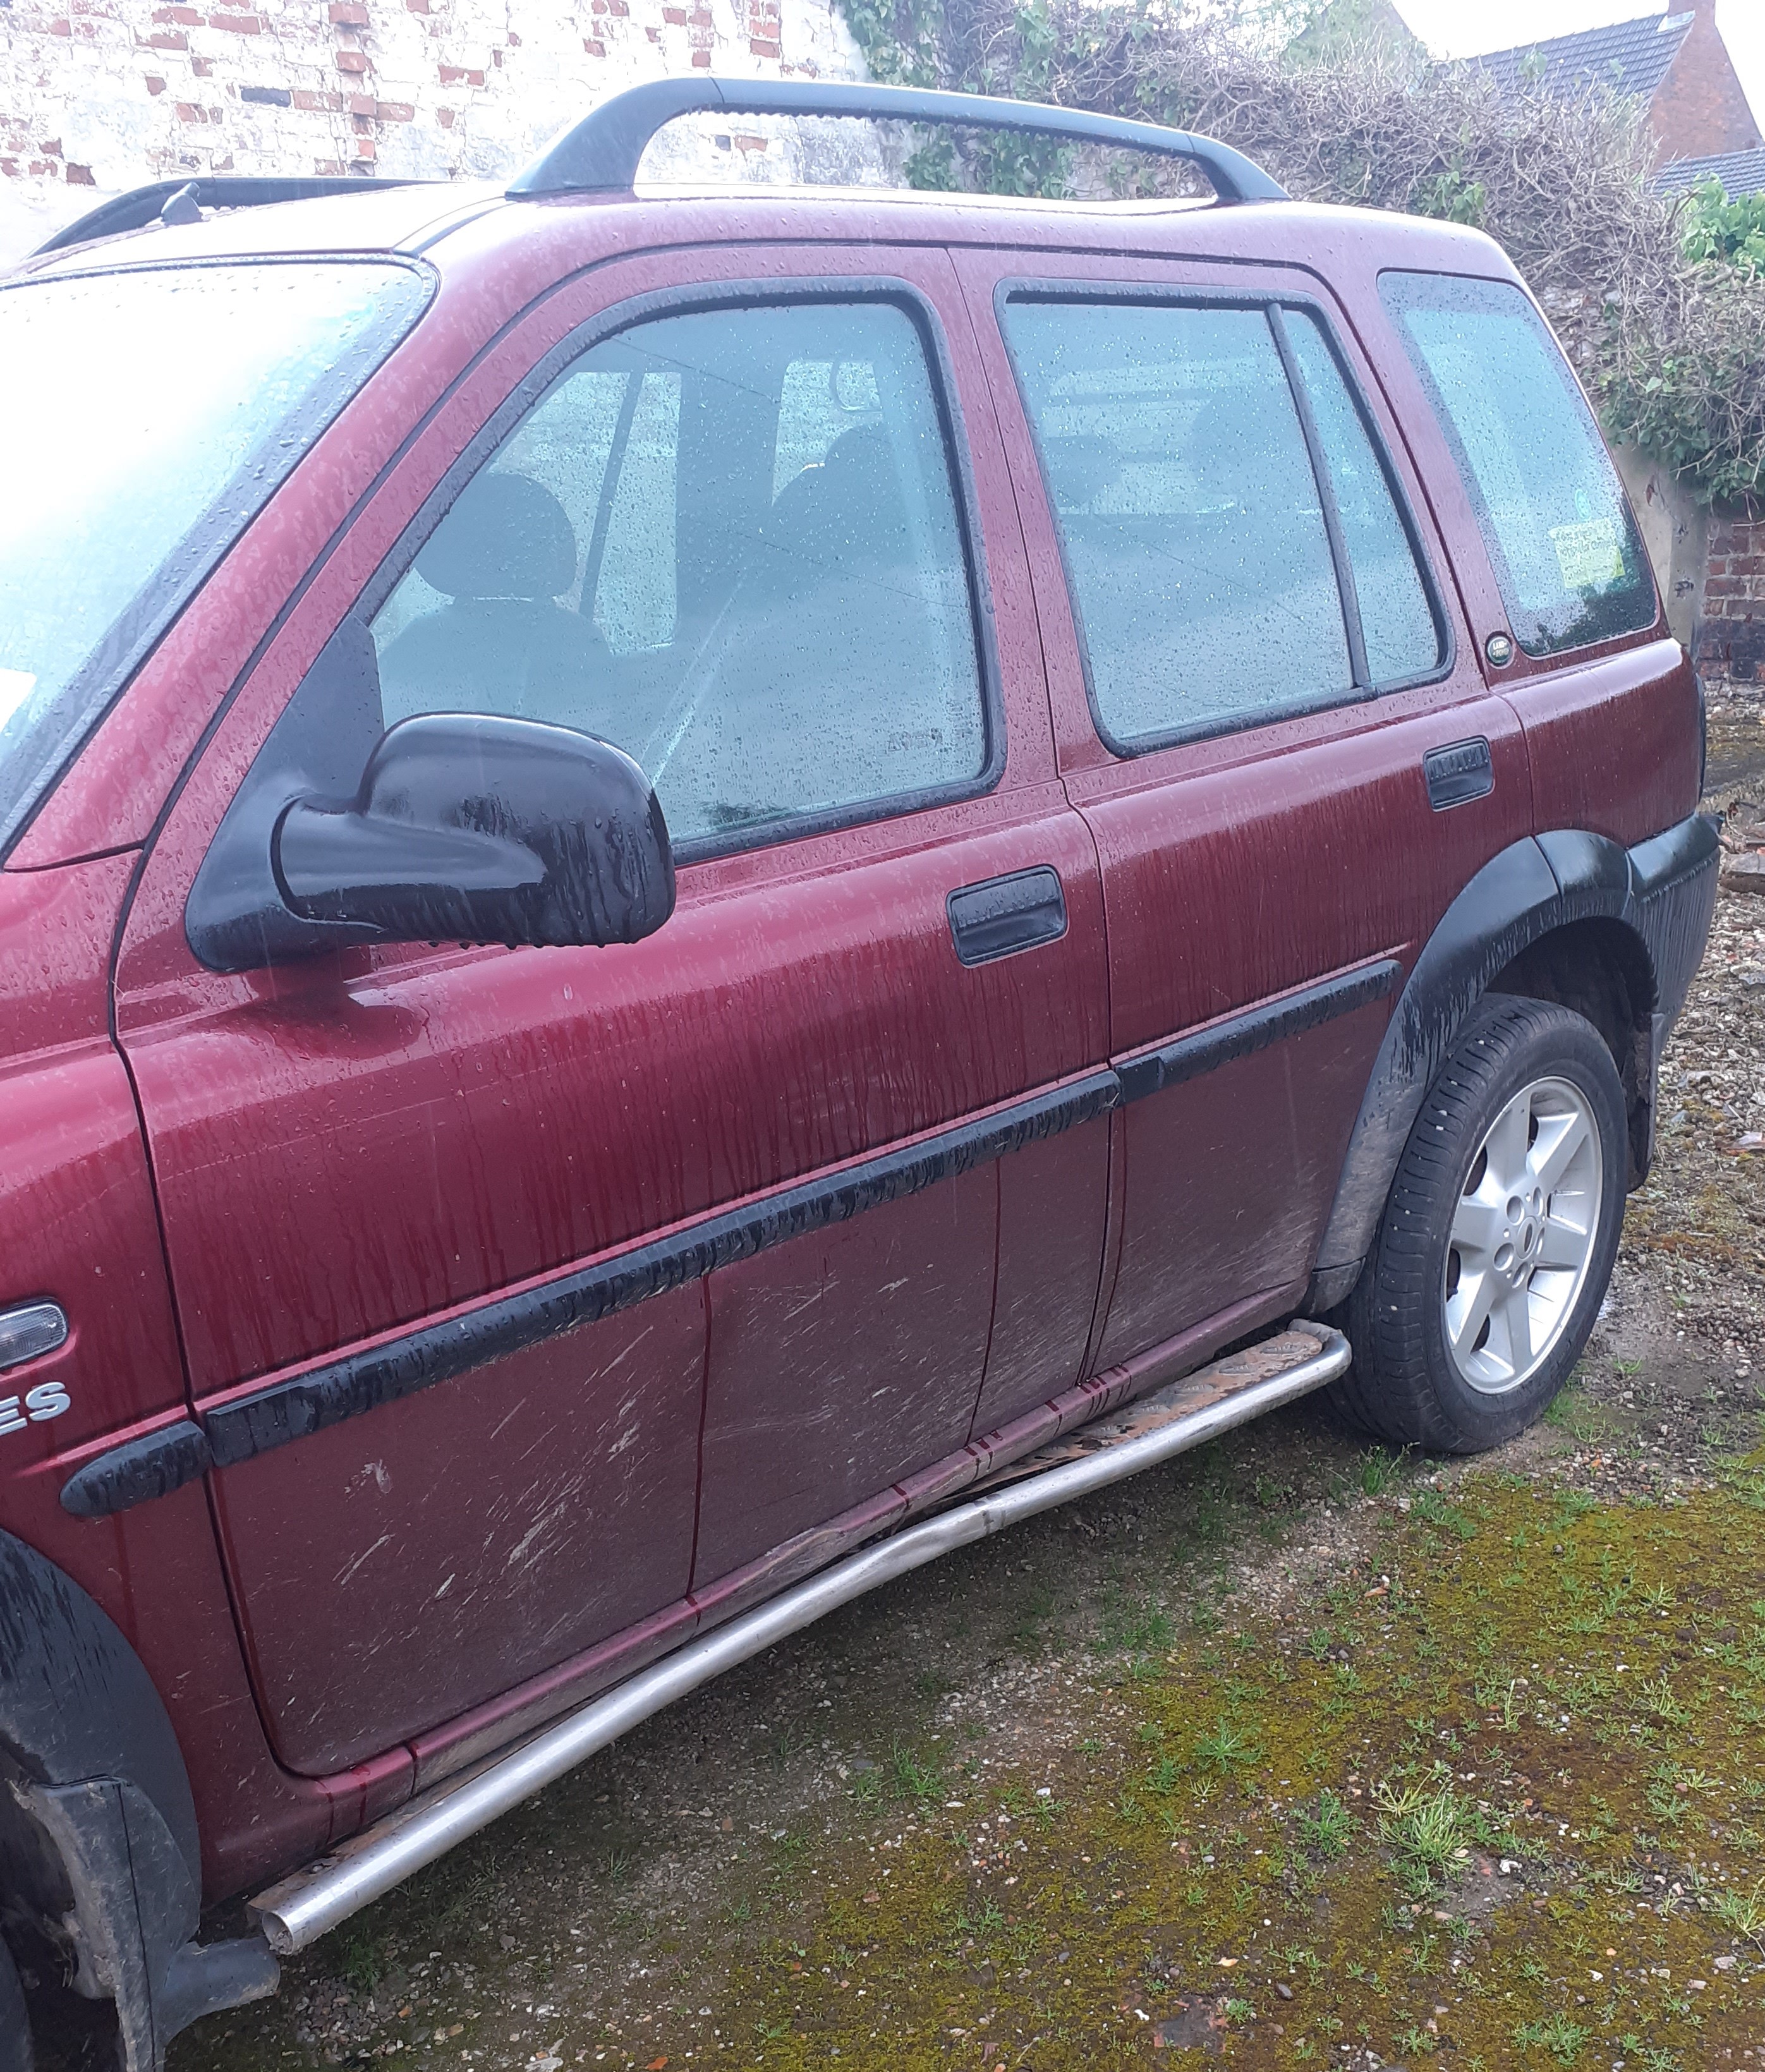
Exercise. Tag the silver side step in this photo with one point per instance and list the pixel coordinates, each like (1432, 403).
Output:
(299, 1909)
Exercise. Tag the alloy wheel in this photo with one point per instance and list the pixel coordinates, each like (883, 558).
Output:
(1523, 1236)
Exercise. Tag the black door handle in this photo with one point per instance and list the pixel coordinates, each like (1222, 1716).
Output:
(1001, 915)
(1456, 775)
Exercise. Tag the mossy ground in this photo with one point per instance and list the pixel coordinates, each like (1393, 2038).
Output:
(1495, 1797)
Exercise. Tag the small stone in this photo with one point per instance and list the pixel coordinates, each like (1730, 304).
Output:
(1744, 874)
(1286, 1992)
(1725, 1964)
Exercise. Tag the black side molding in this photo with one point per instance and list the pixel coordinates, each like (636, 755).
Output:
(327, 1394)
(138, 1471)
(360, 1381)
(1190, 1056)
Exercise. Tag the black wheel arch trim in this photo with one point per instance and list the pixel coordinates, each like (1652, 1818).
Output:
(98, 1830)
(1662, 890)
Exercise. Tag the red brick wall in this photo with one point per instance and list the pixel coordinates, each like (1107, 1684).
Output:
(1731, 632)
(1700, 109)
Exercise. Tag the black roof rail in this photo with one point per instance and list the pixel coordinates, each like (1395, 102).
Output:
(600, 154)
(141, 206)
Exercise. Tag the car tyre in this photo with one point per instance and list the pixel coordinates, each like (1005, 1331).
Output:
(1496, 1244)
(16, 2054)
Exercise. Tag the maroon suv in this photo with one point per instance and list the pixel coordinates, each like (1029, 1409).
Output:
(680, 873)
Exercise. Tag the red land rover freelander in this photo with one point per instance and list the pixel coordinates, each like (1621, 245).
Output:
(680, 873)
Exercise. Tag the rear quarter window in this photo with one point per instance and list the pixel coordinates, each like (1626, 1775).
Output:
(1567, 555)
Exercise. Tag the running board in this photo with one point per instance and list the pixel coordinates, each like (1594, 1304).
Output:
(298, 1909)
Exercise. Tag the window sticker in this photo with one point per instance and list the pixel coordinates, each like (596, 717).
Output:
(1588, 554)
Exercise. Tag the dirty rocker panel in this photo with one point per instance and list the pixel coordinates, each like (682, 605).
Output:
(283, 1411)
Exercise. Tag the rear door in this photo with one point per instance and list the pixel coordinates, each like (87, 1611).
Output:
(1256, 668)
(440, 1220)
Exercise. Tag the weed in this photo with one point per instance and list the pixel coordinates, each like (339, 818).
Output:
(1426, 1831)
(1328, 1830)
(1431, 1506)
(1655, 1697)
(1381, 1469)
(912, 1778)
(1226, 1748)
(1136, 1630)
(1556, 2033)
(1744, 1912)
(363, 1963)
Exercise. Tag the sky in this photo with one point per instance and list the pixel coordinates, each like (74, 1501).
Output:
(1461, 28)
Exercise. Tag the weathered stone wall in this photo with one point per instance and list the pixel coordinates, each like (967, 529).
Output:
(1675, 528)
(98, 95)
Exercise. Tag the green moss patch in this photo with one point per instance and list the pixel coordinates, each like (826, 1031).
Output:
(1496, 1797)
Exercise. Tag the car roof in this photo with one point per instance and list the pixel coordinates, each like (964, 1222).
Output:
(428, 218)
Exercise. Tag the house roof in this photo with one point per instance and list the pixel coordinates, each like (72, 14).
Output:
(1631, 57)
(1740, 172)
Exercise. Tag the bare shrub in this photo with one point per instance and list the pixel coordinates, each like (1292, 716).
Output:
(1673, 348)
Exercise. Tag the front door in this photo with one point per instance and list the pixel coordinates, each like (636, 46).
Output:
(1252, 660)
(443, 1222)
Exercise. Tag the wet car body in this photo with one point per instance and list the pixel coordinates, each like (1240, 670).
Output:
(451, 1330)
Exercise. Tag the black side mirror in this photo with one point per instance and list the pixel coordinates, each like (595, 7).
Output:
(464, 827)
(470, 828)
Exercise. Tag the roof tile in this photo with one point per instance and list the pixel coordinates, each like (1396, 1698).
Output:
(1631, 57)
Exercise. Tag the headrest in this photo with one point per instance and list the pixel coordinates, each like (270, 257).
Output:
(848, 507)
(505, 537)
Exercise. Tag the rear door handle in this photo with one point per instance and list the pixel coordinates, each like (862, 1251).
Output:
(1459, 773)
(1000, 916)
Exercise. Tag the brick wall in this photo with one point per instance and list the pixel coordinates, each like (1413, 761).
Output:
(1731, 631)
(1700, 108)
(97, 95)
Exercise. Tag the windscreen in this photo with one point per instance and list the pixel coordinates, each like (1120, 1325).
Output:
(155, 411)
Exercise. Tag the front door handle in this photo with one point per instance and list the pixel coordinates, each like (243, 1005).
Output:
(1000, 916)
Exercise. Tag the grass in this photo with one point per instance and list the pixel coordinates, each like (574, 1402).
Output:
(1328, 1830)
(1556, 2033)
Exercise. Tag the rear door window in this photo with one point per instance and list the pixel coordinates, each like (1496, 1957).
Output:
(1560, 534)
(731, 542)
(1234, 550)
